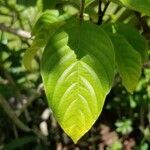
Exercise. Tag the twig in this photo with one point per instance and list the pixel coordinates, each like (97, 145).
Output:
(149, 114)
(146, 65)
(12, 115)
(100, 12)
(5, 105)
(11, 81)
(29, 102)
(5, 14)
(18, 32)
(142, 22)
(82, 9)
(39, 134)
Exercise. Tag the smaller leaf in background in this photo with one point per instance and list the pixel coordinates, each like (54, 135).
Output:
(78, 2)
(144, 146)
(146, 132)
(116, 146)
(132, 35)
(47, 18)
(26, 3)
(124, 127)
(45, 27)
(132, 102)
(50, 4)
(19, 143)
(128, 60)
(88, 2)
(142, 6)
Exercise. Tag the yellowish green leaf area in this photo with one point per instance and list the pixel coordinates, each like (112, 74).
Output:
(78, 70)
(138, 5)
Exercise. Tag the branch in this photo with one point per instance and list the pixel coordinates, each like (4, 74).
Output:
(9, 111)
(147, 64)
(12, 115)
(29, 102)
(18, 32)
(100, 12)
(82, 9)
(6, 14)
(11, 81)
(142, 22)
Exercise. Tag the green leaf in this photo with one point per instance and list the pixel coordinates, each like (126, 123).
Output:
(50, 4)
(132, 35)
(45, 20)
(20, 142)
(128, 60)
(45, 27)
(138, 5)
(77, 81)
(78, 2)
(88, 2)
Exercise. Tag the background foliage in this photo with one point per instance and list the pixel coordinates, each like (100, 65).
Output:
(26, 122)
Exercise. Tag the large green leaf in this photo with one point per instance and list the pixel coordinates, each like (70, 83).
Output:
(128, 60)
(77, 81)
(138, 5)
(132, 35)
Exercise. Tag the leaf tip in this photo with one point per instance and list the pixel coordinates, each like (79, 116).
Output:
(76, 134)
(75, 141)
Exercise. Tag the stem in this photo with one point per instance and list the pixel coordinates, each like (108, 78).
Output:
(29, 102)
(82, 9)
(11, 81)
(142, 22)
(149, 114)
(18, 32)
(12, 115)
(5, 14)
(37, 132)
(9, 111)
(100, 12)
